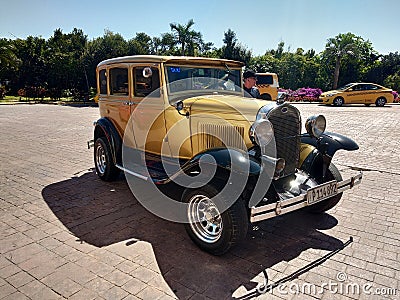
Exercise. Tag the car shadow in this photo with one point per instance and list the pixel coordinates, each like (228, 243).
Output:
(102, 213)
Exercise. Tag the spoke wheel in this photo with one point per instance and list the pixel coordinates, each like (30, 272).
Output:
(103, 160)
(210, 228)
(100, 159)
(205, 219)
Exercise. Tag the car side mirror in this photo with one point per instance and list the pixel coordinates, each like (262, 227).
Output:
(179, 108)
(179, 105)
(147, 72)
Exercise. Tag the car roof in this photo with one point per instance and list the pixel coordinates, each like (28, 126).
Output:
(170, 59)
(364, 83)
(265, 73)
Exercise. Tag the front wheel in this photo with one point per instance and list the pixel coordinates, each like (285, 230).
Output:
(331, 174)
(338, 101)
(210, 229)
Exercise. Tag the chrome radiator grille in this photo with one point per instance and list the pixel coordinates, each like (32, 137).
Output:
(220, 135)
(286, 121)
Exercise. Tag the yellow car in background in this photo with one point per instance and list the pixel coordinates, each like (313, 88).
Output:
(268, 85)
(358, 93)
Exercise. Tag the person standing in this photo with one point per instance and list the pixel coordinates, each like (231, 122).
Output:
(249, 84)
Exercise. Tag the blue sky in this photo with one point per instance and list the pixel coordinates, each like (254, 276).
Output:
(259, 25)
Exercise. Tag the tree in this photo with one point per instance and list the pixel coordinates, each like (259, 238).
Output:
(66, 68)
(164, 45)
(189, 39)
(108, 46)
(33, 68)
(8, 62)
(234, 50)
(345, 46)
(384, 67)
(228, 50)
(140, 44)
(7, 55)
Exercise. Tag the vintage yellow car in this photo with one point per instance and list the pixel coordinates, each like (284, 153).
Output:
(194, 150)
(358, 93)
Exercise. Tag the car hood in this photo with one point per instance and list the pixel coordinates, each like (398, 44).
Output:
(226, 107)
(331, 92)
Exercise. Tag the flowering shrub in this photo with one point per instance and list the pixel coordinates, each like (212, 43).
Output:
(32, 92)
(302, 94)
(396, 96)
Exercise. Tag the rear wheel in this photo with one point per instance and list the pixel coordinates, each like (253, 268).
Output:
(381, 101)
(331, 174)
(103, 160)
(209, 228)
(338, 101)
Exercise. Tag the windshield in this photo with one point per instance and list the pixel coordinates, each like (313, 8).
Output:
(345, 87)
(201, 79)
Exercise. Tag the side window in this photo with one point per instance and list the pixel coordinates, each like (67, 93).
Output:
(265, 79)
(119, 81)
(103, 82)
(373, 87)
(144, 85)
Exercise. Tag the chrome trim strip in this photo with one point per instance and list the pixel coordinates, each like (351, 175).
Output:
(272, 206)
(285, 206)
(131, 172)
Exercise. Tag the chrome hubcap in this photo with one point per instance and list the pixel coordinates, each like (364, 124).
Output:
(101, 162)
(205, 219)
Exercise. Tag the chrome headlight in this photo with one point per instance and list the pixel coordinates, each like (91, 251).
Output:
(261, 132)
(330, 95)
(315, 125)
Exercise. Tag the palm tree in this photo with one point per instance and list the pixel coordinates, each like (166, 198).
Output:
(186, 37)
(338, 47)
(7, 55)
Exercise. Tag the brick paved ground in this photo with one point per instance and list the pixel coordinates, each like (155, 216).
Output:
(66, 234)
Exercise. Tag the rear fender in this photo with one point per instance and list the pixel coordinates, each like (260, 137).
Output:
(105, 128)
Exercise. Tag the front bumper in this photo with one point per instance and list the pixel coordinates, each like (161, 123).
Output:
(285, 206)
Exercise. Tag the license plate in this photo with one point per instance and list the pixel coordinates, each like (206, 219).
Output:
(322, 192)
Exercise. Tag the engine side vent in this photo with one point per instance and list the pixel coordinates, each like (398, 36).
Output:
(221, 135)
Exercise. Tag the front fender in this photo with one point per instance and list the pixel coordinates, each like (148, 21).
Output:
(105, 128)
(333, 142)
(226, 158)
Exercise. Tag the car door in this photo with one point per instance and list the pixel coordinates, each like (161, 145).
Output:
(147, 110)
(355, 94)
(371, 93)
(117, 108)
